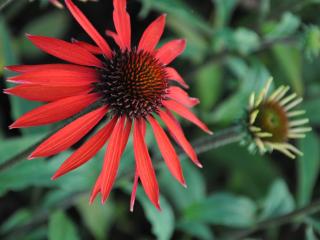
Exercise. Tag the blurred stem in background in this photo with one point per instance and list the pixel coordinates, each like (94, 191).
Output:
(221, 138)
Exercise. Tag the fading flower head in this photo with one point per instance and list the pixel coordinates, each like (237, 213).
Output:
(129, 86)
(273, 120)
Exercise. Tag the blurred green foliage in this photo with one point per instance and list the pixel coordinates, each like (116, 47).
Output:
(233, 47)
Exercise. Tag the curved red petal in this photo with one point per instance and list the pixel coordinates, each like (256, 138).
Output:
(185, 113)
(44, 93)
(152, 34)
(122, 23)
(169, 51)
(89, 47)
(134, 190)
(175, 76)
(55, 111)
(65, 51)
(167, 151)
(178, 135)
(69, 135)
(116, 146)
(52, 66)
(182, 97)
(89, 28)
(96, 189)
(88, 150)
(144, 164)
(57, 77)
(115, 38)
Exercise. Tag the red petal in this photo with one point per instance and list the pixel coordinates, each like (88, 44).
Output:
(96, 189)
(69, 135)
(152, 34)
(134, 190)
(122, 23)
(53, 66)
(175, 76)
(169, 51)
(89, 28)
(88, 150)
(178, 135)
(182, 97)
(115, 38)
(65, 51)
(44, 93)
(185, 113)
(55, 111)
(54, 77)
(169, 154)
(89, 47)
(144, 164)
(116, 146)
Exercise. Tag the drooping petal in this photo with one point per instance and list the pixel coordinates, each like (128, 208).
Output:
(52, 66)
(167, 151)
(115, 38)
(55, 111)
(89, 47)
(87, 151)
(169, 51)
(144, 164)
(152, 34)
(96, 189)
(65, 51)
(44, 93)
(134, 190)
(69, 135)
(178, 135)
(122, 23)
(185, 113)
(89, 28)
(116, 146)
(175, 76)
(59, 77)
(182, 97)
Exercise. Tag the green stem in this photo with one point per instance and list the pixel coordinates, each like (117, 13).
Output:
(310, 209)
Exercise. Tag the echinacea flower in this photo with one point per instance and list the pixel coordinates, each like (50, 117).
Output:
(130, 86)
(273, 120)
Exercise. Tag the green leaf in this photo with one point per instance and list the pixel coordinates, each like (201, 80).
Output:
(197, 230)
(308, 167)
(246, 40)
(233, 107)
(180, 196)
(163, 221)
(311, 106)
(96, 217)
(208, 85)
(310, 234)
(279, 201)
(18, 218)
(288, 24)
(179, 9)
(223, 209)
(224, 11)
(61, 227)
(311, 43)
(12, 146)
(290, 61)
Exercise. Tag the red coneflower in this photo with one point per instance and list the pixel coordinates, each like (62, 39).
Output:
(131, 85)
